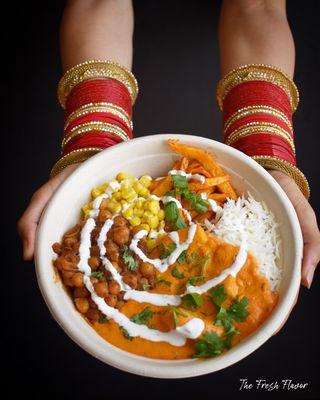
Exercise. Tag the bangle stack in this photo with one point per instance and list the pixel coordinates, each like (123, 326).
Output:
(257, 103)
(97, 97)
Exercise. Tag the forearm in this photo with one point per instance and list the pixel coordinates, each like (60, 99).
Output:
(255, 32)
(97, 29)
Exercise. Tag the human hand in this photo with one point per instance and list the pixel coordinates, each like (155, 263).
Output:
(308, 223)
(27, 224)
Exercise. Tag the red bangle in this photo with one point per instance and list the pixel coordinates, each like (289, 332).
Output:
(92, 139)
(264, 118)
(98, 91)
(256, 93)
(265, 144)
(101, 117)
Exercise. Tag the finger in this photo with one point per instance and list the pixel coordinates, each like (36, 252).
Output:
(311, 239)
(288, 315)
(28, 223)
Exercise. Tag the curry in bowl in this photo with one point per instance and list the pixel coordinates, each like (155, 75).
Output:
(175, 266)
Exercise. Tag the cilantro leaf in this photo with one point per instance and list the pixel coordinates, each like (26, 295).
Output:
(125, 334)
(179, 181)
(192, 280)
(97, 274)
(218, 295)
(128, 258)
(143, 317)
(202, 261)
(146, 286)
(171, 211)
(209, 345)
(192, 301)
(179, 224)
(103, 319)
(166, 251)
(183, 257)
(162, 280)
(176, 273)
(175, 312)
(238, 309)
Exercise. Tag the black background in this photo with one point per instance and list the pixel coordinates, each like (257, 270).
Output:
(176, 63)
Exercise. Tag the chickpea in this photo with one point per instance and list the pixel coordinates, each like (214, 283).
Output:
(77, 279)
(101, 288)
(94, 280)
(114, 287)
(82, 304)
(68, 275)
(143, 282)
(95, 251)
(121, 235)
(104, 215)
(147, 269)
(120, 221)
(68, 282)
(80, 292)
(121, 295)
(93, 314)
(94, 262)
(120, 304)
(116, 265)
(92, 303)
(152, 281)
(70, 242)
(112, 250)
(111, 300)
(57, 248)
(104, 204)
(131, 280)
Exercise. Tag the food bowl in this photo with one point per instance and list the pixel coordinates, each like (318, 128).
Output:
(151, 155)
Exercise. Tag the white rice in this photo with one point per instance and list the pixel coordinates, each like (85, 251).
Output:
(251, 218)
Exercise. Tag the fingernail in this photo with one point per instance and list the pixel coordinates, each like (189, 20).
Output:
(310, 276)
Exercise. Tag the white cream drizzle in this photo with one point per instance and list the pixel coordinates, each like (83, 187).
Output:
(193, 328)
(177, 337)
(197, 177)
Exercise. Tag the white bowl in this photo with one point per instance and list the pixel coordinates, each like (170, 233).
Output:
(151, 155)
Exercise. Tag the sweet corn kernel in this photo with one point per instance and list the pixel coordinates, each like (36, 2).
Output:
(113, 206)
(138, 187)
(103, 187)
(139, 203)
(85, 208)
(162, 224)
(122, 176)
(161, 215)
(135, 221)
(138, 212)
(151, 244)
(123, 202)
(95, 193)
(145, 227)
(154, 206)
(117, 196)
(87, 214)
(145, 180)
(147, 214)
(131, 197)
(128, 212)
(153, 221)
(145, 192)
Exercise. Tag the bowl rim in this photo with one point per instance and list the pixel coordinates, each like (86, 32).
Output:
(156, 368)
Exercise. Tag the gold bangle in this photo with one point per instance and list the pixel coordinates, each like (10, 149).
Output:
(257, 72)
(86, 127)
(254, 128)
(96, 69)
(289, 169)
(258, 109)
(106, 108)
(73, 157)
